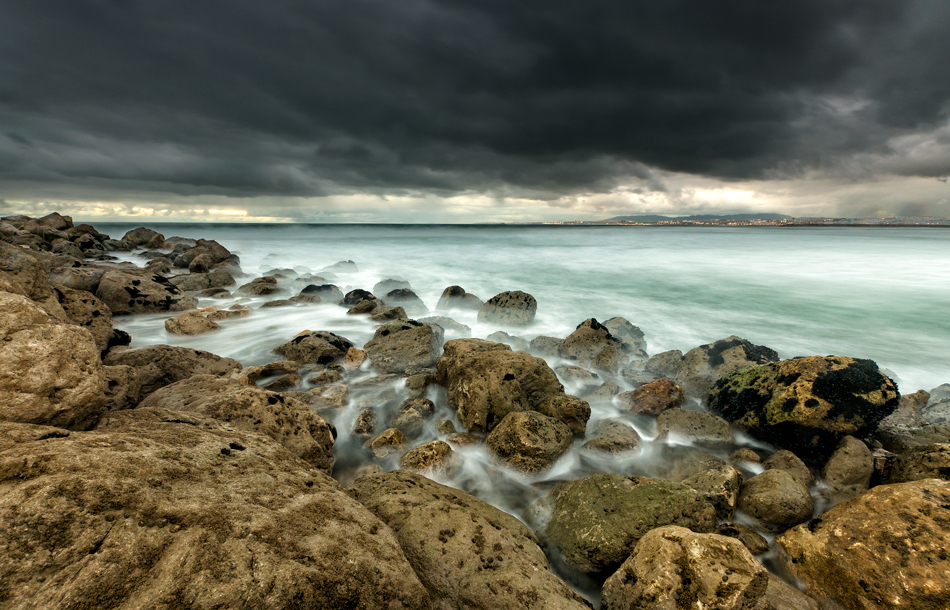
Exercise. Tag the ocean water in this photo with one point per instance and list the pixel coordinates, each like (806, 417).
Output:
(871, 293)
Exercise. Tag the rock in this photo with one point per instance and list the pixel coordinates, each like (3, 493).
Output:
(215, 293)
(390, 442)
(366, 424)
(327, 292)
(569, 410)
(77, 278)
(329, 377)
(720, 486)
(433, 459)
(140, 236)
(190, 323)
(147, 511)
(364, 307)
(84, 309)
(613, 436)
(327, 397)
(21, 273)
(51, 373)
(249, 375)
(354, 358)
(219, 278)
(201, 264)
(355, 297)
(544, 346)
(464, 439)
(604, 393)
(213, 252)
(397, 347)
(279, 303)
(587, 342)
(126, 293)
(884, 549)
(387, 286)
(61, 246)
(448, 325)
(342, 267)
(745, 534)
(679, 462)
(848, 471)
(664, 364)
(576, 375)
(486, 381)
(597, 521)
(386, 313)
(407, 299)
(937, 408)
(673, 567)
(653, 398)
(781, 596)
(748, 455)
(630, 337)
(806, 405)
(908, 412)
(292, 424)
(529, 441)
(509, 309)
(703, 366)
(469, 554)
(696, 427)
(319, 347)
(306, 298)
(899, 438)
(157, 366)
(455, 297)
(791, 463)
(924, 462)
(515, 343)
(260, 287)
(412, 416)
(283, 383)
(776, 499)
(445, 426)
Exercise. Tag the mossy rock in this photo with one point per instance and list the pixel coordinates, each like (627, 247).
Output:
(806, 405)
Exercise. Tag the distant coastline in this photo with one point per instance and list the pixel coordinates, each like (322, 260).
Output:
(915, 221)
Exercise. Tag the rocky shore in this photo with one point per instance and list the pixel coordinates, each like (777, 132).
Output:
(425, 468)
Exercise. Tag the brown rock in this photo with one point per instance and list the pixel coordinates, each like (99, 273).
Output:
(455, 297)
(529, 441)
(354, 358)
(848, 472)
(157, 366)
(777, 499)
(464, 439)
(720, 486)
(320, 347)
(127, 293)
(653, 398)
(586, 344)
(84, 309)
(389, 442)
(366, 423)
(509, 309)
(791, 463)
(413, 416)
(569, 410)
(190, 323)
(249, 375)
(397, 347)
(433, 459)
(698, 427)
(924, 462)
(613, 436)
(745, 534)
(703, 366)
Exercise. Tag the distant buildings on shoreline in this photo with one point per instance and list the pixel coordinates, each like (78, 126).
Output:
(917, 221)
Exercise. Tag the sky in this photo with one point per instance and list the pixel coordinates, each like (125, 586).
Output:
(473, 111)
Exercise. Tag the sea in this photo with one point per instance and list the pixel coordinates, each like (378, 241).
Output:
(876, 293)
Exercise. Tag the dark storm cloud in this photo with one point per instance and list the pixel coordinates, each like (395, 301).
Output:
(532, 98)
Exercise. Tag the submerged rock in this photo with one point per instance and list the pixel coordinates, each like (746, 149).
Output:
(509, 309)
(806, 405)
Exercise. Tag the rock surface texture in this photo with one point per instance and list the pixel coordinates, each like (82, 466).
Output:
(509, 309)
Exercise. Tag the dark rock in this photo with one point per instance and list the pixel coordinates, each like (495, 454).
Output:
(397, 347)
(319, 347)
(328, 293)
(509, 309)
(387, 286)
(698, 427)
(355, 297)
(140, 236)
(407, 299)
(703, 366)
(924, 462)
(629, 336)
(455, 297)
(613, 436)
(745, 534)
(653, 398)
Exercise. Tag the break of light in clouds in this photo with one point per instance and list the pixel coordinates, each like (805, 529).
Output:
(454, 111)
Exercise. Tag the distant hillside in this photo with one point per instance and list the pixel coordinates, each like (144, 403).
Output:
(656, 218)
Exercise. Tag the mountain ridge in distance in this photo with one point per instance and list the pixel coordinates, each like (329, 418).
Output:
(658, 218)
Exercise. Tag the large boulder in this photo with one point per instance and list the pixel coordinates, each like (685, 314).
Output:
(407, 299)
(467, 553)
(289, 422)
(630, 336)
(315, 347)
(653, 398)
(587, 345)
(84, 309)
(219, 278)
(164, 509)
(140, 236)
(400, 346)
(776, 499)
(806, 405)
(529, 441)
(703, 366)
(509, 309)
(597, 521)
(455, 297)
(21, 272)
(51, 373)
(923, 462)
(937, 408)
(885, 549)
(486, 381)
(672, 566)
(127, 293)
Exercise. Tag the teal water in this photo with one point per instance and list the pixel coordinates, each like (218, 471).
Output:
(872, 293)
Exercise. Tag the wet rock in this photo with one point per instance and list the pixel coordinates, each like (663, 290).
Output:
(884, 549)
(326, 378)
(397, 347)
(703, 366)
(486, 381)
(529, 441)
(388, 285)
(328, 293)
(509, 309)
(637, 377)
(306, 298)
(630, 337)
(390, 442)
(190, 323)
(791, 463)
(279, 303)
(664, 364)
(782, 596)
(314, 347)
(696, 427)
(848, 471)
(366, 424)
(250, 375)
(924, 462)
(364, 307)
(141, 236)
(464, 439)
(213, 253)
(544, 346)
(84, 309)
(433, 459)
(342, 267)
(776, 499)
(413, 415)
(745, 534)
(608, 361)
(448, 325)
(78, 278)
(215, 293)
(576, 375)
(455, 297)
(260, 287)
(327, 397)
(937, 408)
(51, 373)
(748, 455)
(569, 410)
(355, 297)
(720, 486)
(587, 342)
(292, 424)
(354, 358)
(284, 382)
(218, 278)
(468, 553)
(806, 405)
(386, 313)
(149, 508)
(908, 412)
(679, 462)
(604, 393)
(127, 293)
(407, 299)
(613, 436)
(673, 567)
(653, 398)
(597, 521)
(515, 343)
(900, 438)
